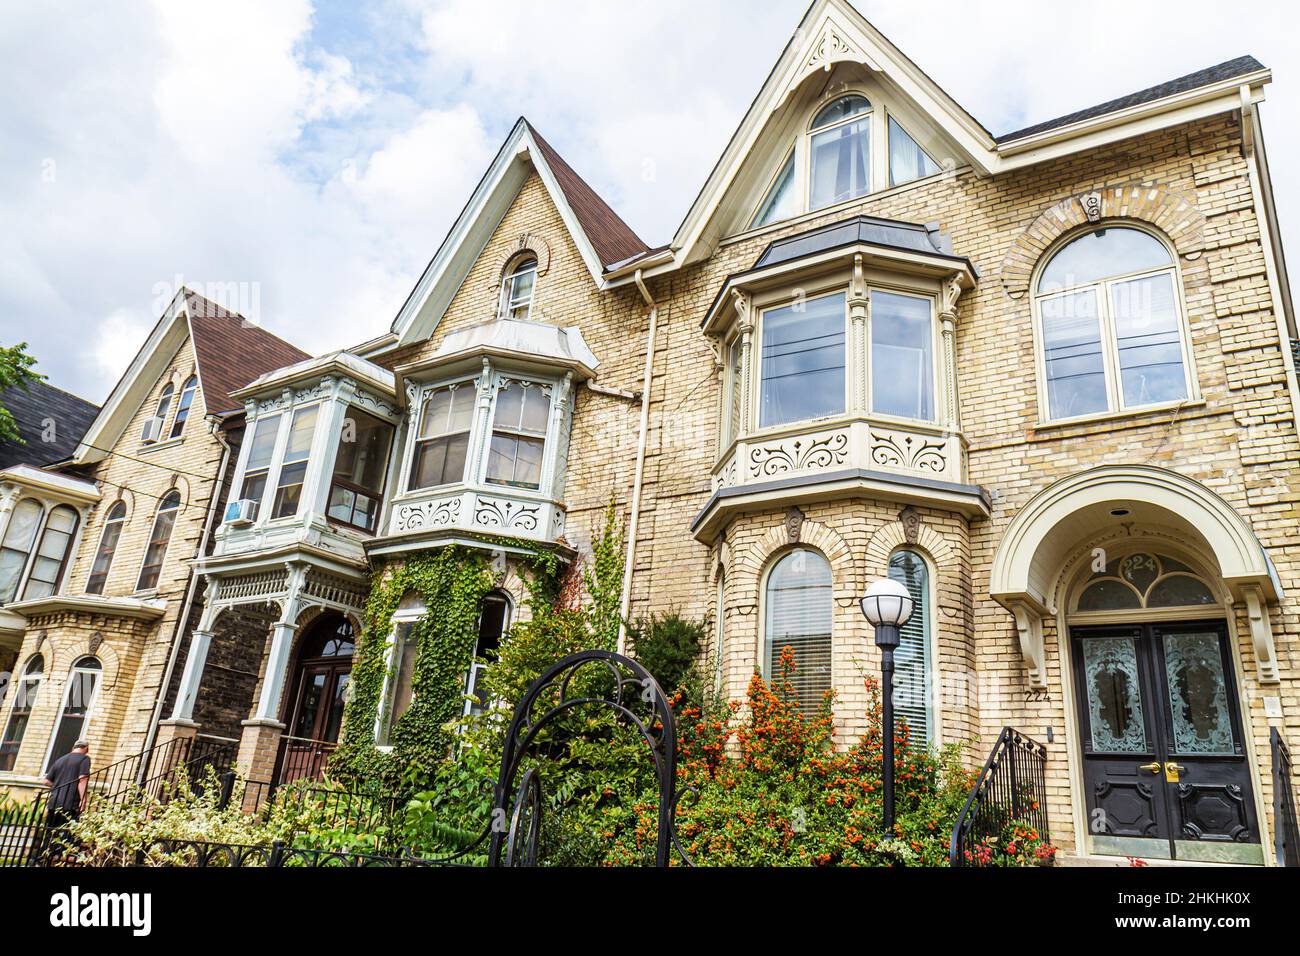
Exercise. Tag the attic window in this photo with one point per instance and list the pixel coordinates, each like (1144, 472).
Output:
(517, 289)
(851, 147)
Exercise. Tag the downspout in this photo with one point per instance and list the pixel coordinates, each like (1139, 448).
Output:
(179, 636)
(625, 609)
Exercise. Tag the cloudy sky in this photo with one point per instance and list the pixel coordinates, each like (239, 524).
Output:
(303, 160)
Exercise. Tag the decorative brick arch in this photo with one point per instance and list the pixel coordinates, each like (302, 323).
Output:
(892, 536)
(749, 566)
(1172, 211)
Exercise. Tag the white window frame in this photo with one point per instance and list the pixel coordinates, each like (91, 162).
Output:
(246, 451)
(756, 360)
(306, 507)
(936, 368)
(1100, 288)
(417, 424)
(401, 616)
(189, 388)
(507, 304)
(26, 677)
(548, 437)
(476, 669)
(68, 684)
(29, 562)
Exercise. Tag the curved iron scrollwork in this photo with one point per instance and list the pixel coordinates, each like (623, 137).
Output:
(632, 694)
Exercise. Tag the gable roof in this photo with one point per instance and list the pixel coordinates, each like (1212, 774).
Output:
(229, 352)
(602, 238)
(1230, 69)
(31, 407)
(612, 238)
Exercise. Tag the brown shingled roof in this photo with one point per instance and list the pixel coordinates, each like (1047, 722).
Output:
(231, 351)
(610, 236)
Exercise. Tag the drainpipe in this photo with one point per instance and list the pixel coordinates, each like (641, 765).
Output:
(626, 607)
(179, 636)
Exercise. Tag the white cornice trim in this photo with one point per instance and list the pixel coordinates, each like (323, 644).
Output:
(91, 604)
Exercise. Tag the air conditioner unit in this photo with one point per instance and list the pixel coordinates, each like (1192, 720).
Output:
(152, 429)
(241, 512)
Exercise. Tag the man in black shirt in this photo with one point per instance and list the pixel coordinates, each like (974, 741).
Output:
(67, 778)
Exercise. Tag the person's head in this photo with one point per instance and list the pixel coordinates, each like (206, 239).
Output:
(83, 745)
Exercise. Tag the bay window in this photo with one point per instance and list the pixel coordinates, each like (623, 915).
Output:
(902, 358)
(912, 682)
(258, 466)
(52, 553)
(799, 608)
(519, 421)
(108, 539)
(1111, 326)
(163, 522)
(16, 548)
(802, 371)
(293, 464)
(356, 489)
(442, 444)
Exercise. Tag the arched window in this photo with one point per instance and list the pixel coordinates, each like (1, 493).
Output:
(24, 702)
(798, 616)
(493, 620)
(108, 539)
(1143, 580)
(153, 427)
(839, 152)
(183, 406)
(78, 698)
(912, 659)
(403, 652)
(16, 548)
(517, 289)
(1111, 325)
(52, 554)
(163, 522)
(719, 633)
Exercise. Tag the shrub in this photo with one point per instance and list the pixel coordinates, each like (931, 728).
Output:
(669, 647)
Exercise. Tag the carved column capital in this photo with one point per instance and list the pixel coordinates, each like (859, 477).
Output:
(744, 307)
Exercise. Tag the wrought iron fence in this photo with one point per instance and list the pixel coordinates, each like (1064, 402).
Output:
(1286, 836)
(1011, 788)
(300, 758)
(201, 854)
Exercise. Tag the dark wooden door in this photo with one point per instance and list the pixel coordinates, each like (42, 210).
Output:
(1165, 770)
(317, 715)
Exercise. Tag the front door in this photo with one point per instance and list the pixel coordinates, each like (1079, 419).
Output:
(317, 717)
(1164, 762)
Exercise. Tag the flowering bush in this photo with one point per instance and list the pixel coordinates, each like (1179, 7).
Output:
(1019, 844)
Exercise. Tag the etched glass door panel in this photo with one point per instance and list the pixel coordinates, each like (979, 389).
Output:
(1198, 697)
(1115, 712)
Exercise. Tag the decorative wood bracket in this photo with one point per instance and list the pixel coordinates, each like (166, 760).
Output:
(1261, 634)
(1029, 626)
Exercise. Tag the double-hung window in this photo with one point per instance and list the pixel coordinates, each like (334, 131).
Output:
(293, 466)
(517, 289)
(164, 521)
(51, 556)
(359, 464)
(403, 652)
(16, 548)
(1111, 324)
(902, 357)
(803, 361)
(183, 406)
(24, 702)
(519, 433)
(442, 444)
(258, 466)
(108, 539)
(840, 152)
(78, 699)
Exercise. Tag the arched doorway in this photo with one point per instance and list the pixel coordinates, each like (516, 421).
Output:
(1165, 773)
(314, 708)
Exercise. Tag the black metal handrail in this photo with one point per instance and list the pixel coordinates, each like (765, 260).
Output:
(1286, 831)
(1012, 787)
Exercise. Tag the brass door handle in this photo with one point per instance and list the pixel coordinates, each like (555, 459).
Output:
(1174, 772)
(1153, 767)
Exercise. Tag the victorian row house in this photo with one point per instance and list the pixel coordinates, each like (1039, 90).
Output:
(1043, 379)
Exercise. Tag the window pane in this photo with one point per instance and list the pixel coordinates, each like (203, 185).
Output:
(1076, 375)
(24, 520)
(912, 660)
(400, 679)
(76, 707)
(1179, 590)
(902, 365)
(1150, 348)
(841, 163)
(449, 409)
(104, 556)
(841, 109)
(362, 454)
(781, 201)
(1198, 694)
(799, 610)
(515, 461)
(1101, 254)
(153, 556)
(300, 434)
(440, 461)
(264, 433)
(907, 160)
(183, 407)
(803, 361)
(289, 495)
(510, 405)
(1110, 673)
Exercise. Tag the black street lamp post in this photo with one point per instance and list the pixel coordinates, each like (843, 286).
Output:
(887, 606)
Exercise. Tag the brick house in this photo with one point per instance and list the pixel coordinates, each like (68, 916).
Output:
(101, 541)
(1043, 380)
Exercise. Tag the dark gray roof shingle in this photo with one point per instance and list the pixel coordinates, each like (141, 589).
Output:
(1241, 66)
(32, 407)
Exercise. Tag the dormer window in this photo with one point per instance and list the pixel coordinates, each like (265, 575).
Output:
(183, 406)
(850, 147)
(517, 289)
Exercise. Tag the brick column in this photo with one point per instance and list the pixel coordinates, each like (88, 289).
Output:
(259, 745)
(171, 747)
